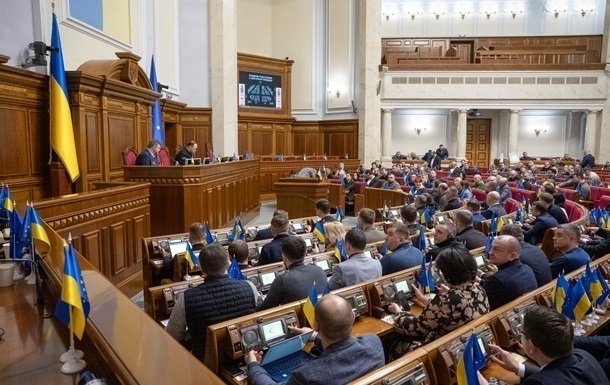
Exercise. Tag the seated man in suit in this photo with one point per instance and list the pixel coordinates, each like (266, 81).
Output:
(344, 358)
(512, 279)
(238, 249)
(296, 283)
(493, 206)
(530, 255)
(466, 233)
(219, 298)
(444, 237)
(503, 190)
(358, 267)
(391, 183)
(554, 210)
(187, 153)
(547, 338)
(597, 248)
(272, 251)
(404, 255)
(398, 156)
(366, 219)
(196, 238)
(408, 215)
(452, 199)
(266, 233)
(566, 241)
(475, 208)
(371, 180)
(525, 156)
(150, 156)
(534, 232)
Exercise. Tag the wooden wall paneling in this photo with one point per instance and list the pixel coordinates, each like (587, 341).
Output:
(340, 137)
(93, 137)
(16, 146)
(38, 128)
(91, 248)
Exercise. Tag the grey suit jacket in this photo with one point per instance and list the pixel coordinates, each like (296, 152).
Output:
(358, 268)
(373, 235)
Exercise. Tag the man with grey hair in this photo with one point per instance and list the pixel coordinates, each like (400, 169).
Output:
(530, 255)
(566, 240)
(444, 237)
(503, 190)
(466, 233)
(493, 206)
(512, 279)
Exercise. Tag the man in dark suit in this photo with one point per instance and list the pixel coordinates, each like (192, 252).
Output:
(588, 160)
(534, 233)
(466, 233)
(493, 206)
(451, 196)
(186, 153)
(343, 359)
(548, 339)
(530, 255)
(266, 233)
(150, 156)
(512, 279)
(371, 180)
(442, 152)
(554, 210)
(444, 238)
(566, 241)
(597, 248)
(272, 251)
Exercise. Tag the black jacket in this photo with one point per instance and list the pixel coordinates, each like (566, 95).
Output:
(439, 247)
(272, 251)
(183, 156)
(579, 368)
(294, 285)
(444, 154)
(588, 161)
(472, 238)
(534, 257)
(597, 249)
(557, 213)
(512, 280)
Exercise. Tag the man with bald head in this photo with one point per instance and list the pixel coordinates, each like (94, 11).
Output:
(513, 278)
(503, 190)
(344, 358)
(493, 206)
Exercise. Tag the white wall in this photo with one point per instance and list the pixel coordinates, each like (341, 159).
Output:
(194, 57)
(16, 31)
(405, 138)
(255, 27)
(550, 143)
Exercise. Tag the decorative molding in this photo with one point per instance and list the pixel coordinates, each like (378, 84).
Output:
(79, 218)
(314, 65)
(13, 91)
(500, 104)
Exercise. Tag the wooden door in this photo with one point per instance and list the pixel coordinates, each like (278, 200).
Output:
(478, 141)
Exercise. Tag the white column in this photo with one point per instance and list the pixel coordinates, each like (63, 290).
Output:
(386, 133)
(591, 132)
(223, 64)
(461, 134)
(369, 104)
(513, 132)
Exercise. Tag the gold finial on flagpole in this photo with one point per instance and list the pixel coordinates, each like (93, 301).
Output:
(53, 6)
(70, 238)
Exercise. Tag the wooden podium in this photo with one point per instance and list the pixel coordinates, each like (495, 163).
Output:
(298, 195)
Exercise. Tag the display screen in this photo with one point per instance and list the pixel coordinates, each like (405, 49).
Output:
(259, 249)
(440, 219)
(273, 330)
(368, 253)
(429, 241)
(297, 226)
(393, 213)
(177, 248)
(308, 242)
(482, 345)
(259, 90)
(402, 286)
(352, 301)
(220, 237)
(323, 264)
(267, 278)
(480, 260)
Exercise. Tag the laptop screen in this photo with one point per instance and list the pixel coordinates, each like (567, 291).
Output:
(402, 286)
(323, 264)
(286, 348)
(267, 278)
(177, 248)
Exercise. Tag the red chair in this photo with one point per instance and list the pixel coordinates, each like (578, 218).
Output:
(519, 194)
(164, 156)
(597, 193)
(511, 206)
(359, 188)
(130, 155)
(570, 194)
(574, 211)
(480, 195)
(604, 201)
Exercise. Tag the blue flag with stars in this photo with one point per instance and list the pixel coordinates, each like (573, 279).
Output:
(235, 271)
(157, 121)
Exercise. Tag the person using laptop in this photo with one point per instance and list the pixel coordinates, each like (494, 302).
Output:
(186, 155)
(196, 238)
(343, 359)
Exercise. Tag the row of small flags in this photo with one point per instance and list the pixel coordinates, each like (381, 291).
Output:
(577, 298)
(281, 157)
(599, 218)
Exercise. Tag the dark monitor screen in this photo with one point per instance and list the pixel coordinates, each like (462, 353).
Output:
(259, 90)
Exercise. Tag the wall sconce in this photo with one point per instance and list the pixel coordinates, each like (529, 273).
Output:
(489, 13)
(464, 13)
(388, 11)
(418, 130)
(538, 131)
(583, 11)
(412, 14)
(438, 14)
(514, 13)
(336, 92)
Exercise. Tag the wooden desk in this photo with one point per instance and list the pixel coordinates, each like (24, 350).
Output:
(371, 325)
(297, 196)
(494, 370)
(213, 193)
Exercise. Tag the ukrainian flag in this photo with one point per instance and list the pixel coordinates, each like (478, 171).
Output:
(605, 289)
(340, 253)
(560, 293)
(309, 308)
(7, 203)
(471, 361)
(385, 210)
(73, 307)
(500, 223)
(62, 133)
(422, 277)
(33, 229)
(190, 256)
(595, 286)
(320, 173)
(582, 302)
(318, 231)
(490, 242)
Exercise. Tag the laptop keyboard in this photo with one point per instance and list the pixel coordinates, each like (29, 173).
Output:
(287, 363)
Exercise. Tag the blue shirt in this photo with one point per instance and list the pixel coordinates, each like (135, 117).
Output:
(404, 257)
(569, 262)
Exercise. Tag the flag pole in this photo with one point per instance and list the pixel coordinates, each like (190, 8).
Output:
(17, 274)
(31, 279)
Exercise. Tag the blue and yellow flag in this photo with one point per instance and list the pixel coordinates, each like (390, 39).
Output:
(595, 286)
(560, 293)
(425, 216)
(320, 173)
(7, 201)
(208, 235)
(157, 119)
(62, 133)
(581, 301)
(340, 253)
(238, 232)
(471, 361)
(318, 231)
(16, 246)
(190, 256)
(73, 307)
(309, 308)
(235, 271)
(385, 210)
(605, 289)
(33, 230)
(490, 242)
(422, 277)
(340, 215)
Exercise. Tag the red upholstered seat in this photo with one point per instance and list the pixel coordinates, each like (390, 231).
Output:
(164, 156)
(512, 184)
(519, 194)
(129, 156)
(479, 194)
(359, 188)
(570, 194)
(574, 211)
(511, 206)
(604, 201)
(597, 193)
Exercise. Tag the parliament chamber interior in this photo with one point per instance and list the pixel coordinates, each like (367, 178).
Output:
(339, 191)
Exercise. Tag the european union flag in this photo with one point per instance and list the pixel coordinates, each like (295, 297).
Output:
(157, 122)
(431, 285)
(422, 277)
(579, 190)
(326, 289)
(493, 223)
(73, 306)
(339, 215)
(421, 240)
(518, 215)
(16, 246)
(471, 361)
(208, 235)
(490, 241)
(235, 270)
(520, 186)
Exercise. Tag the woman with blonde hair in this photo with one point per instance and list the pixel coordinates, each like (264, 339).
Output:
(333, 231)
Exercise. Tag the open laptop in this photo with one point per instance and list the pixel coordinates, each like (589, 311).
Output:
(286, 356)
(176, 248)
